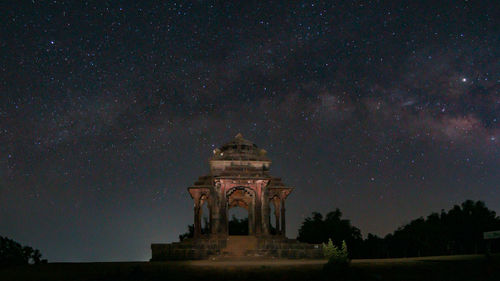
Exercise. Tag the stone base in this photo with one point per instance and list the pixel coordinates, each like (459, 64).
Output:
(236, 247)
(189, 249)
(288, 249)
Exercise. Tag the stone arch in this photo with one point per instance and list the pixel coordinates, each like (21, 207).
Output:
(246, 189)
(242, 197)
(202, 199)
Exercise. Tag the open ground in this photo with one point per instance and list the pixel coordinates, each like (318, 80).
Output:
(466, 267)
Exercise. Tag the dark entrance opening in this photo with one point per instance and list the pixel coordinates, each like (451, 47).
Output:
(238, 221)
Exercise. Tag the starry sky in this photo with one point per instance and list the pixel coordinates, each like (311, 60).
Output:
(109, 110)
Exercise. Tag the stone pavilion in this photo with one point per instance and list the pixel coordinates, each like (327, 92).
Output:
(239, 177)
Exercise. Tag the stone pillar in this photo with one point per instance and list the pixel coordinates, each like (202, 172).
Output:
(258, 211)
(277, 215)
(283, 224)
(223, 223)
(214, 210)
(197, 218)
(214, 218)
(266, 215)
(251, 219)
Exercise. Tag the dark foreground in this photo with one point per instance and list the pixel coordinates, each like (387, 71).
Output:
(433, 268)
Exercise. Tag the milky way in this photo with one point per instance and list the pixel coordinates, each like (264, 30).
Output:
(109, 110)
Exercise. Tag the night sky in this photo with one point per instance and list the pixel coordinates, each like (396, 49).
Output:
(109, 110)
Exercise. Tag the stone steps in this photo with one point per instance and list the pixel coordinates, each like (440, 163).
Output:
(238, 246)
(250, 247)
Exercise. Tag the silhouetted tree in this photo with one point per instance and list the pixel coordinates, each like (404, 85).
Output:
(188, 234)
(238, 226)
(13, 253)
(317, 230)
(374, 247)
(458, 231)
(205, 229)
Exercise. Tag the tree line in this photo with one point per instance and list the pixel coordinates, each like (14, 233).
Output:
(236, 227)
(13, 253)
(457, 231)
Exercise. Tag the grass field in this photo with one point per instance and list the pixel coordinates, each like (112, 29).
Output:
(470, 267)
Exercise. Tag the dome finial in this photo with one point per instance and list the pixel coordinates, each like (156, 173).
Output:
(238, 136)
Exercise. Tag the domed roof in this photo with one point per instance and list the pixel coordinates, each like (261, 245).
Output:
(240, 149)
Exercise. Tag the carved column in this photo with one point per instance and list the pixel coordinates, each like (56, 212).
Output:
(223, 223)
(258, 209)
(214, 214)
(197, 217)
(251, 218)
(276, 202)
(214, 209)
(283, 224)
(257, 215)
(266, 215)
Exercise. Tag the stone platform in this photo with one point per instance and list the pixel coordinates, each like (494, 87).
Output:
(189, 249)
(236, 247)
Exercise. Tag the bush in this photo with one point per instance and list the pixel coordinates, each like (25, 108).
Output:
(338, 259)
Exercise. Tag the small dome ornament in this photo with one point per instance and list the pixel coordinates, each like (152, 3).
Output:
(239, 149)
